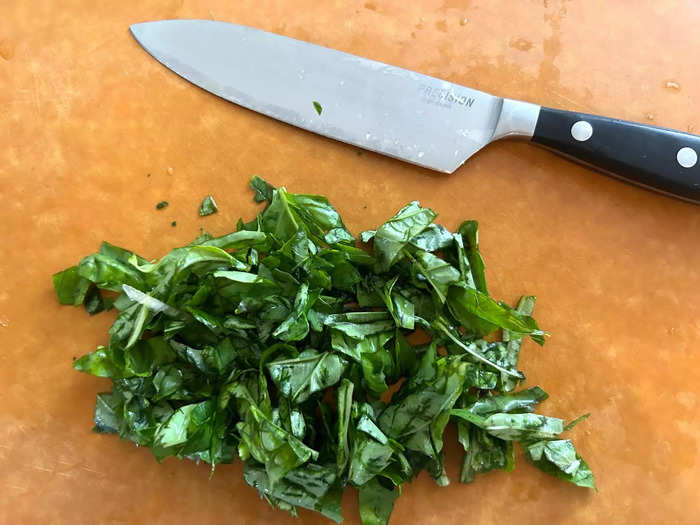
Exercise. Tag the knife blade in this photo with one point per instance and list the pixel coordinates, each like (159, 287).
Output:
(419, 119)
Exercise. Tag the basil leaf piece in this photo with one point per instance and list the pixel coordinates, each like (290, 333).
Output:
(514, 342)
(208, 206)
(272, 445)
(437, 272)
(376, 503)
(311, 487)
(559, 458)
(519, 402)
(515, 426)
(302, 376)
(469, 231)
(70, 286)
(263, 189)
(464, 302)
(483, 452)
(392, 237)
(435, 237)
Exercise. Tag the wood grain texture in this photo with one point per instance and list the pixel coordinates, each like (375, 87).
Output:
(86, 114)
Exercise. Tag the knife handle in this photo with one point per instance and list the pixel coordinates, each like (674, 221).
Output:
(660, 159)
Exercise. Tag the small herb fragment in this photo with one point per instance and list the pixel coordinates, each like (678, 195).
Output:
(277, 343)
(161, 205)
(208, 206)
(317, 107)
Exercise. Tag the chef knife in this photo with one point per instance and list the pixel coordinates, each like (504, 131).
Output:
(413, 117)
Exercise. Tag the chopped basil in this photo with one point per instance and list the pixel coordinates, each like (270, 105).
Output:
(276, 344)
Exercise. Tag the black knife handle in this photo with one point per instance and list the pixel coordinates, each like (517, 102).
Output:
(661, 159)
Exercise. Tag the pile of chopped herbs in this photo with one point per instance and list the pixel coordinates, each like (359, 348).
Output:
(318, 363)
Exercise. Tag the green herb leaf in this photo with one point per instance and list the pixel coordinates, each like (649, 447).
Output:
(368, 459)
(523, 401)
(482, 452)
(70, 286)
(514, 342)
(433, 238)
(376, 503)
(575, 422)
(466, 302)
(469, 232)
(515, 426)
(393, 236)
(278, 449)
(559, 458)
(345, 391)
(208, 206)
(438, 273)
(296, 326)
(317, 107)
(93, 301)
(306, 374)
(263, 190)
(312, 487)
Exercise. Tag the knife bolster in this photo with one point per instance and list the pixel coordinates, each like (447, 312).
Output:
(516, 120)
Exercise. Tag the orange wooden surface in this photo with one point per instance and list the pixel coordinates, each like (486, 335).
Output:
(86, 114)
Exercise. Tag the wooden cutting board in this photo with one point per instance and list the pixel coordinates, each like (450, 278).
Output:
(94, 132)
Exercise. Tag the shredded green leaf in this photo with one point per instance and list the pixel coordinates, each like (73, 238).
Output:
(317, 107)
(208, 206)
(278, 344)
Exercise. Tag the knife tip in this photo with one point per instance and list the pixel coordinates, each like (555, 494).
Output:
(135, 30)
(141, 29)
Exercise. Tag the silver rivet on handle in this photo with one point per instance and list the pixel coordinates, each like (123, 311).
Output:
(687, 157)
(582, 130)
